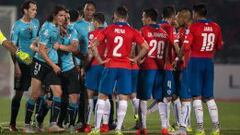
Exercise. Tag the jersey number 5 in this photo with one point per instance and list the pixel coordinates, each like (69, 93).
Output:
(208, 41)
(119, 41)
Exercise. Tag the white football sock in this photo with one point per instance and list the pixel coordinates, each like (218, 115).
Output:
(185, 113)
(168, 107)
(90, 110)
(213, 111)
(177, 110)
(197, 105)
(143, 106)
(189, 119)
(99, 110)
(162, 108)
(106, 112)
(153, 107)
(135, 103)
(121, 112)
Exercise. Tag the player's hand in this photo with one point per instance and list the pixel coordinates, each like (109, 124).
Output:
(82, 72)
(142, 60)
(134, 60)
(56, 46)
(174, 64)
(25, 57)
(56, 69)
(2, 37)
(105, 61)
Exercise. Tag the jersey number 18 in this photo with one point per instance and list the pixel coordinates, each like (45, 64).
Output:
(208, 41)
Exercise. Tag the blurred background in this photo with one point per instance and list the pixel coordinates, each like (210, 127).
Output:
(224, 12)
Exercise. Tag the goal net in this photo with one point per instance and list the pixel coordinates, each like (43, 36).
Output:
(7, 18)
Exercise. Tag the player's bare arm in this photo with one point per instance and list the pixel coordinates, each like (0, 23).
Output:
(142, 52)
(73, 47)
(95, 51)
(43, 52)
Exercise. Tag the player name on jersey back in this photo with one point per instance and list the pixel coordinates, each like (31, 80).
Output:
(207, 38)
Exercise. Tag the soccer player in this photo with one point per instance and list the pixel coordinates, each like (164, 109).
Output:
(119, 38)
(24, 57)
(168, 15)
(46, 69)
(83, 27)
(133, 96)
(151, 76)
(94, 73)
(69, 78)
(23, 33)
(207, 39)
(183, 19)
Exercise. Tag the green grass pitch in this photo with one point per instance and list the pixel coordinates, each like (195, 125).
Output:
(229, 113)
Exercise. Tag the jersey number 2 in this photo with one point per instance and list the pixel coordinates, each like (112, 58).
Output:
(208, 41)
(119, 41)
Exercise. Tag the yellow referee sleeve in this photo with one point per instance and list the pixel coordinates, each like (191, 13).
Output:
(2, 37)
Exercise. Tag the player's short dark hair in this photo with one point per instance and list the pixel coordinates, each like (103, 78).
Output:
(152, 13)
(73, 15)
(91, 3)
(80, 10)
(55, 11)
(200, 9)
(26, 5)
(168, 11)
(99, 17)
(184, 10)
(121, 12)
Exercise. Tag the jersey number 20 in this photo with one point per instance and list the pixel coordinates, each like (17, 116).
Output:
(159, 45)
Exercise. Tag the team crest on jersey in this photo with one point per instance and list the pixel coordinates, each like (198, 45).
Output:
(45, 33)
(91, 36)
(169, 92)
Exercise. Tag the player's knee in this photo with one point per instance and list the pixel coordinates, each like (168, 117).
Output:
(206, 99)
(123, 97)
(90, 93)
(133, 95)
(19, 94)
(57, 91)
(197, 98)
(102, 96)
(73, 98)
(186, 99)
(174, 97)
(35, 95)
(167, 99)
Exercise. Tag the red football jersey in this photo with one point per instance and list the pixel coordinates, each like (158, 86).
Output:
(171, 31)
(101, 47)
(156, 38)
(119, 38)
(207, 38)
(185, 41)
